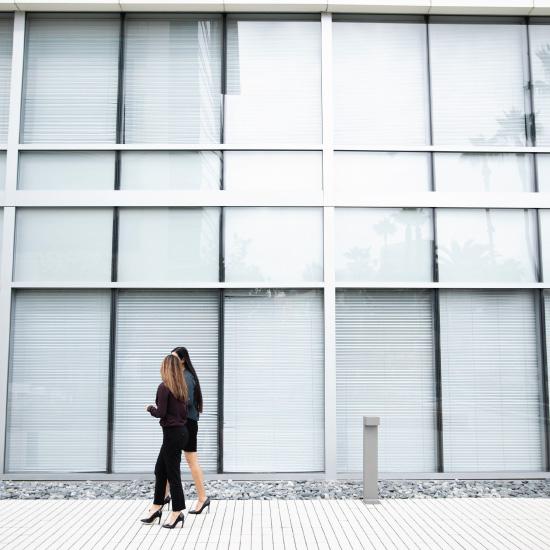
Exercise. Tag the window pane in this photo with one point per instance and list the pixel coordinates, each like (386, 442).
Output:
(384, 366)
(149, 324)
(544, 216)
(476, 172)
(71, 78)
(273, 81)
(168, 244)
(486, 245)
(172, 79)
(479, 78)
(274, 244)
(70, 171)
(6, 40)
(384, 244)
(2, 170)
(170, 170)
(57, 399)
(380, 83)
(381, 172)
(63, 244)
(273, 381)
(539, 37)
(273, 171)
(543, 172)
(492, 409)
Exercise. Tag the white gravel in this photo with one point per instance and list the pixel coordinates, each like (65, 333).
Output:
(226, 489)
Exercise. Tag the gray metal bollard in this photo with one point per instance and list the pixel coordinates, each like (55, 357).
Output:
(370, 459)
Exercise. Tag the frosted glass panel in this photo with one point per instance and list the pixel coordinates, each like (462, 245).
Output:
(58, 403)
(273, 171)
(273, 244)
(491, 386)
(71, 78)
(384, 244)
(172, 79)
(2, 170)
(385, 366)
(68, 171)
(479, 77)
(6, 39)
(486, 245)
(543, 172)
(381, 172)
(63, 244)
(465, 172)
(544, 216)
(380, 83)
(168, 244)
(539, 36)
(273, 381)
(170, 170)
(273, 81)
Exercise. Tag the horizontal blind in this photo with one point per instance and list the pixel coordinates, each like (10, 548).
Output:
(385, 367)
(172, 79)
(71, 78)
(380, 83)
(478, 83)
(58, 384)
(273, 381)
(149, 325)
(492, 416)
(6, 40)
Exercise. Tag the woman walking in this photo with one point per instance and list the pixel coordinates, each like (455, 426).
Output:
(171, 408)
(194, 409)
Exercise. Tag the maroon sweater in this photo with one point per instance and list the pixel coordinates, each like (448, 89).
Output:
(171, 412)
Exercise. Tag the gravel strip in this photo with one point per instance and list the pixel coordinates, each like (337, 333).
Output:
(287, 490)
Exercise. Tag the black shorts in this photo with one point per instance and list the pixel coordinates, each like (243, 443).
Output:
(192, 430)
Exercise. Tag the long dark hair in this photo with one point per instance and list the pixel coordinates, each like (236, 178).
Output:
(183, 354)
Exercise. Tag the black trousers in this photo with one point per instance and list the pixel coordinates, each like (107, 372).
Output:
(168, 464)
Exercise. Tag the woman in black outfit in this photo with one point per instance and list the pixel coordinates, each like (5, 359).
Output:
(171, 408)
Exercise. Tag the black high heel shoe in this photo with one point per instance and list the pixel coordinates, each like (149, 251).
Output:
(153, 517)
(205, 504)
(172, 525)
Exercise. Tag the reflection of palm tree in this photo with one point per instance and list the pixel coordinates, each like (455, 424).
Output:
(385, 228)
(238, 261)
(412, 218)
(360, 264)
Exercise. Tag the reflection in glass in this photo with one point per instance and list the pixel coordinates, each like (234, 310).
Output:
(273, 244)
(380, 83)
(486, 245)
(168, 244)
(381, 172)
(2, 170)
(68, 171)
(63, 244)
(544, 217)
(384, 244)
(272, 171)
(170, 170)
(71, 78)
(273, 81)
(539, 38)
(172, 79)
(475, 172)
(479, 79)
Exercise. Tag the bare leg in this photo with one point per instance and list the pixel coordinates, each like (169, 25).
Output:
(196, 472)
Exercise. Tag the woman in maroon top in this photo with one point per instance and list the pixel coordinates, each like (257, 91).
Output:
(171, 408)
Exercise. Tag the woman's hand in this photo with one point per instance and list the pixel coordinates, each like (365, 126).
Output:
(147, 407)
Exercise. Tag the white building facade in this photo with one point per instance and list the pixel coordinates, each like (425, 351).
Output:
(341, 209)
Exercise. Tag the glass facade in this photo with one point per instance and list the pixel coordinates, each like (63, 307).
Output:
(338, 215)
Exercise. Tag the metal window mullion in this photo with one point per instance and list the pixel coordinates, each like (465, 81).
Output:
(543, 355)
(8, 230)
(328, 248)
